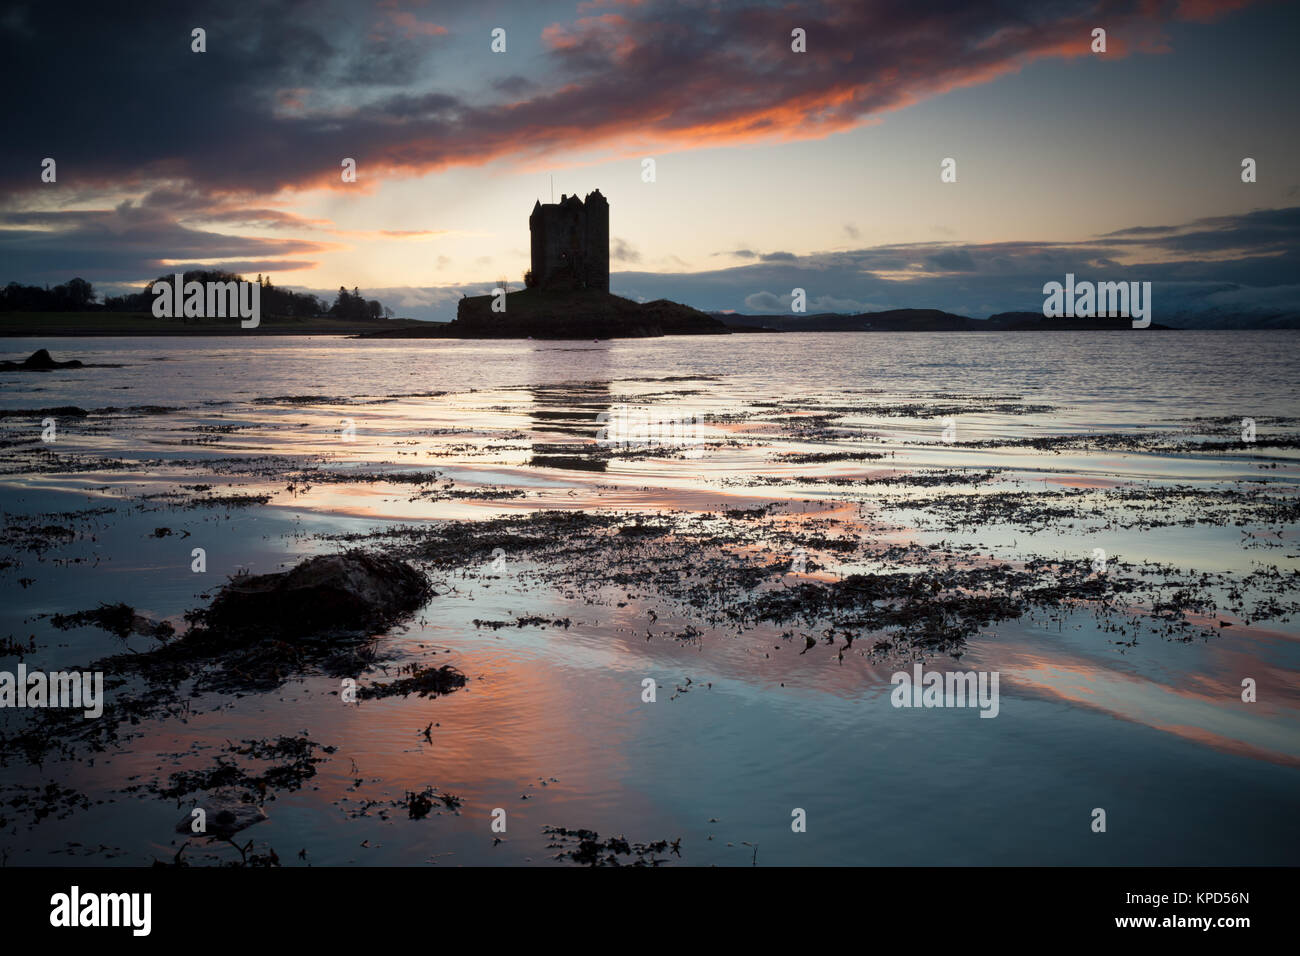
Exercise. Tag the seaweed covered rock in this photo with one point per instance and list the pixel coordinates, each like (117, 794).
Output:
(355, 590)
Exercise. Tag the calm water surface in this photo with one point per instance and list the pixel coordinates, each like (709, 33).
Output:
(551, 726)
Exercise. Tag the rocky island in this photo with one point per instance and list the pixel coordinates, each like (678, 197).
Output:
(578, 314)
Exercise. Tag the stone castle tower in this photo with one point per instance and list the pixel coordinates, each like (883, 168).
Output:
(571, 243)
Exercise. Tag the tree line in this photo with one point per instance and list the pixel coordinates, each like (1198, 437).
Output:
(78, 295)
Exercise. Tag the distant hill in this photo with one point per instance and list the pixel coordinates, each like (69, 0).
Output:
(1225, 320)
(925, 320)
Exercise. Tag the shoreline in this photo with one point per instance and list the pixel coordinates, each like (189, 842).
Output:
(414, 332)
(542, 320)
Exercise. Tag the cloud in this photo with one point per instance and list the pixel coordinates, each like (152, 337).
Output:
(515, 85)
(413, 234)
(767, 303)
(621, 251)
(951, 260)
(140, 240)
(409, 25)
(281, 95)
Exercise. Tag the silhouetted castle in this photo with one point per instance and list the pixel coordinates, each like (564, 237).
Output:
(571, 243)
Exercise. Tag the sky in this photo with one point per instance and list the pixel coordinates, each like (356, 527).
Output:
(773, 169)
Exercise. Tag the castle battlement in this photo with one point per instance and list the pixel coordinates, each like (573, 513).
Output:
(570, 243)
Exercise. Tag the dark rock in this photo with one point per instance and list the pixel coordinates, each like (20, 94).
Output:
(356, 590)
(38, 361)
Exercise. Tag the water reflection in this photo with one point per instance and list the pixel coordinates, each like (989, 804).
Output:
(568, 419)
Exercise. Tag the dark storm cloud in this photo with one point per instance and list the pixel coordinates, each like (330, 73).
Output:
(286, 89)
(513, 85)
(115, 94)
(952, 260)
(124, 243)
(1261, 231)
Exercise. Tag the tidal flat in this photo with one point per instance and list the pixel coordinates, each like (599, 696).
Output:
(761, 531)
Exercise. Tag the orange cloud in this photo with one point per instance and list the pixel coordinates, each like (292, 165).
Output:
(414, 27)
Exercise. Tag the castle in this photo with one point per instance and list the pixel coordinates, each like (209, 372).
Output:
(570, 244)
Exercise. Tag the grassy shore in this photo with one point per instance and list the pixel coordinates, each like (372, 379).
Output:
(38, 324)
